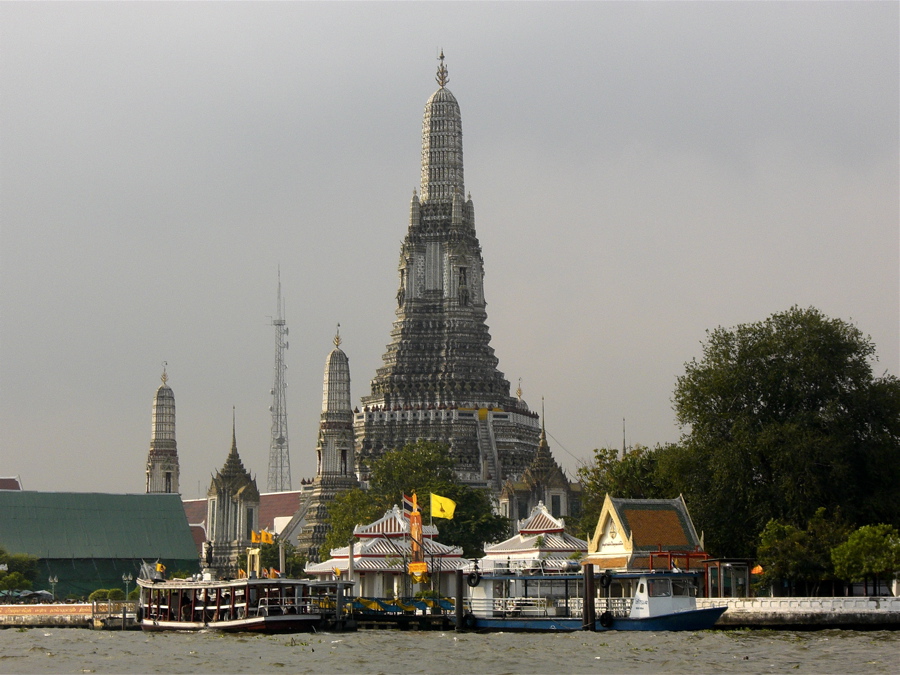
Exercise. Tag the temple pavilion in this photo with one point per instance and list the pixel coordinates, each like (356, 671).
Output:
(641, 534)
(378, 560)
(541, 544)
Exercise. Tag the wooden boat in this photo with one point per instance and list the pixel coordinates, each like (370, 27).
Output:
(555, 602)
(235, 605)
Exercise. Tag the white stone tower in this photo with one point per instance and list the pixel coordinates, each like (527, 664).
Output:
(162, 460)
(279, 454)
(335, 464)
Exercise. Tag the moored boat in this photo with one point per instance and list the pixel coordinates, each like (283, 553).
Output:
(236, 605)
(518, 601)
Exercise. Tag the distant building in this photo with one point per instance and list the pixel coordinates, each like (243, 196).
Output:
(543, 482)
(276, 510)
(632, 531)
(162, 460)
(89, 540)
(232, 514)
(335, 465)
(10, 483)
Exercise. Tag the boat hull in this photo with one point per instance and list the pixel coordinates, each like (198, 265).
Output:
(291, 623)
(698, 619)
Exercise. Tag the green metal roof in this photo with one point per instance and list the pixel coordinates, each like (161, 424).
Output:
(64, 525)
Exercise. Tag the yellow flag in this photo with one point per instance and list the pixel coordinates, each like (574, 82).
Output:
(441, 507)
(266, 537)
(254, 537)
(160, 567)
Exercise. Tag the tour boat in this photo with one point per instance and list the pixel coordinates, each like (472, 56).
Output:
(542, 601)
(236, 605)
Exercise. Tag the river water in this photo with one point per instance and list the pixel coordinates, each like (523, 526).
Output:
(74, 650)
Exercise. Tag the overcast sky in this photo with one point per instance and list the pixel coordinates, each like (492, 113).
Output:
(641, 173)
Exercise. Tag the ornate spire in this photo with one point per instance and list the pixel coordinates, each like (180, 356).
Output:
(442, 77)
(543, 442)
(442, 157)
(165, 377)
(233, 432)
(337, 337)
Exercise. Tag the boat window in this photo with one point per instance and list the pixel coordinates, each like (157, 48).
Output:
(659, 588)
(681, 587)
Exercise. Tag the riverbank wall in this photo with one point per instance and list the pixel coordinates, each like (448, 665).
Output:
(858, 613)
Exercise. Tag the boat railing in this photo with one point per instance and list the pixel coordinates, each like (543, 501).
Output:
(282, 606)
(615, 606)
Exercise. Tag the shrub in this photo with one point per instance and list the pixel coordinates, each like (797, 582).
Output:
(99, 594)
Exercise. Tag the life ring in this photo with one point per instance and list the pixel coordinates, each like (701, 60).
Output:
(605, 579)
(606, 620)
(469, 621)
(473, 579)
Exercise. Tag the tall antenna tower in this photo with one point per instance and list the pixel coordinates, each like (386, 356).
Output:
(279, 457)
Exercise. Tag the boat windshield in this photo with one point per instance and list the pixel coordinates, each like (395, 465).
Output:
(659, 588)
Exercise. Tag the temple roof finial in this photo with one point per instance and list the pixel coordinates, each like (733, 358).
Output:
(442, 77)
(165, 377)
(337, 336)
(519, 390)
(233, 432)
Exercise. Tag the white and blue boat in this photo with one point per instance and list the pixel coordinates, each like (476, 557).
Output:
(547, 601)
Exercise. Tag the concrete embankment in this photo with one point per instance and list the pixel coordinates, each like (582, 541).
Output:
(103, 615)
(807, 613)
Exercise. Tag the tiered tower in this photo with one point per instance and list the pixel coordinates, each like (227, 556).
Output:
(232, 504)
(335, 463)
(162, 460)
(279, 454)
(440, 379)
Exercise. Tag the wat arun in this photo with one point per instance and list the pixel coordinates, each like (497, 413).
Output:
(439, 380)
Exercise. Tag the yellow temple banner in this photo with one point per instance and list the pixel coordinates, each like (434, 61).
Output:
(254, 537)
(265, 537)
(418, 567)
(442, 507)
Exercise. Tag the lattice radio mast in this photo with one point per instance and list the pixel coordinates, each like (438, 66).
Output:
(279, 456)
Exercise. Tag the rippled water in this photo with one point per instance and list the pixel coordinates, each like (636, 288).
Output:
(72, 650)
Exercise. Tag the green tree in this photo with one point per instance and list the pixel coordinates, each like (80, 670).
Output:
(637, 475)
(26, 565)
(422, 467)
(99, 594)
(870, 551)
(14, 581)
(801, 557)
(347, 510)
(782, 417)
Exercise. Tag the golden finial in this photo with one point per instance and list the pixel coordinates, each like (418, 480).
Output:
(519, 390)
(165, 377)
(337, 336)
(442, 77)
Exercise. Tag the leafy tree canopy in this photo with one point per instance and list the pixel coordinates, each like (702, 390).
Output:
(637, 475)
(421, 467)
(872, 550)
(801, 556)
(26, 565)
(783, 417)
